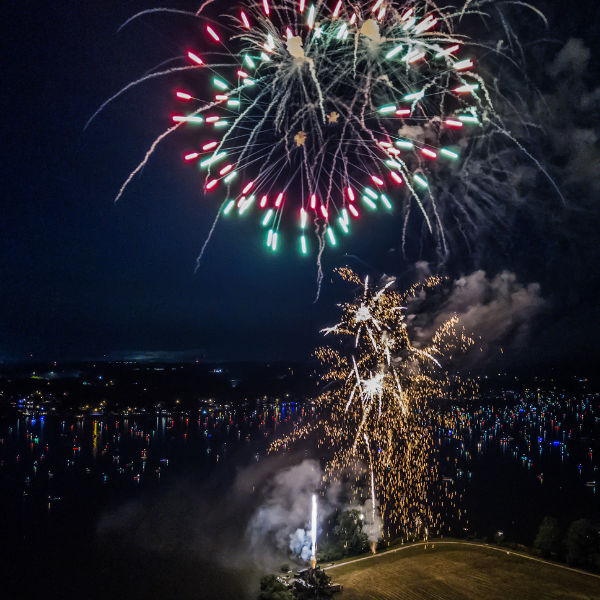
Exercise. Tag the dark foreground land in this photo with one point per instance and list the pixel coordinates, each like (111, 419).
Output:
(460, 571)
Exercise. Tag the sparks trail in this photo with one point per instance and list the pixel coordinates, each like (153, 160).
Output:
(374, 413)
(361, 107)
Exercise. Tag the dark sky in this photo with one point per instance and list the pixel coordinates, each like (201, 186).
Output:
(81, 277)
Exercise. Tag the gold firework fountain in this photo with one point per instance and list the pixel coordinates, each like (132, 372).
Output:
(377, 402)
(374, 413)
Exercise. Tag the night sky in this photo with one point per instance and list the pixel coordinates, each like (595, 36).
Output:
(81, 277)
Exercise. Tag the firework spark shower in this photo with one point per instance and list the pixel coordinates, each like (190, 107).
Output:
(375, 412)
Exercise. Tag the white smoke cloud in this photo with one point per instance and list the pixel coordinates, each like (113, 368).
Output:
(229, 523)
(495, 310)
(300, 544)
(240, 527)
(373, 523)
(283, 519)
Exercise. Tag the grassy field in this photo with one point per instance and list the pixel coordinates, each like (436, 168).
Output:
(459, 571)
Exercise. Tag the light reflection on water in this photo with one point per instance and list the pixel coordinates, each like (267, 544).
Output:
(51, 458)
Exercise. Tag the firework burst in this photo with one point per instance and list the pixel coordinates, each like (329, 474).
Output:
(323, 112)
(324, 100)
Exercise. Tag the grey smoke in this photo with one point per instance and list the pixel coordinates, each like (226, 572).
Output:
(283, 519)
(572, 58)
(572, 111)
(300, 544)
(373, 523)
(495, 310)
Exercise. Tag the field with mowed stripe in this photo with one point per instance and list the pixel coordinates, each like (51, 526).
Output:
(459, 571)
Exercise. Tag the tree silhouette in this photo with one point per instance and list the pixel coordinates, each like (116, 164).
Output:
(548, 537)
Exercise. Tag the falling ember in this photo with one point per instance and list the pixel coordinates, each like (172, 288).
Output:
(421, 181)
(449, 153)
(386, 201)
(267, 217)
(213, 33)
(195, 58)
(369, 202)
(394, 51)
(213, 159)
(311, 17)
(463, 64)
(428, 153)
(331, 236)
